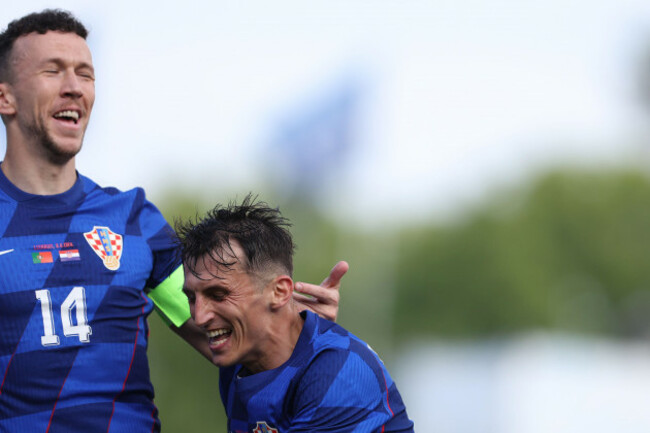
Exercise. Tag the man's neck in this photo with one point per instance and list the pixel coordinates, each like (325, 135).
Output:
(281, 341)
(39, 177)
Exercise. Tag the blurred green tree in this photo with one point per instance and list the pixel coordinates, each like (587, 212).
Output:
(566, 252)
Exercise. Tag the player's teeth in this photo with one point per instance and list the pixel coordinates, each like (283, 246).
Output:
(217, 333)
(68, 113)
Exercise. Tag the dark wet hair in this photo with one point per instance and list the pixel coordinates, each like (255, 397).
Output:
(260, 230)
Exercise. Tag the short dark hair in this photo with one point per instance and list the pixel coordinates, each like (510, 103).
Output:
(261, 231)
(40, 22)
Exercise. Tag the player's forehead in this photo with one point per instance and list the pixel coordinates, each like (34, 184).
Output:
(210, 269)
(63, 46)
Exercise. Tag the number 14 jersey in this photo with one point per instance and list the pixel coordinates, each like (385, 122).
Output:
(76, 270)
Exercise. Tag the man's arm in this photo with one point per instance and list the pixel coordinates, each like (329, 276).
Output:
(324, 299)
(195, 336)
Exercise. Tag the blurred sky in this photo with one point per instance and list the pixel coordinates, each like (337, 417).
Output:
(454, 96)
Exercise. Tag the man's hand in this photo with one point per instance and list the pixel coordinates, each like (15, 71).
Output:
(324, 299)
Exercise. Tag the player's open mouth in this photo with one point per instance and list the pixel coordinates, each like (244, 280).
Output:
(218, 336)
(68, 116)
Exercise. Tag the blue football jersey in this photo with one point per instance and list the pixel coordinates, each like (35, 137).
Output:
(332, 382)
(76, 270)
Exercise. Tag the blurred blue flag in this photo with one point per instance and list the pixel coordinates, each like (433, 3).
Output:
(316, 138)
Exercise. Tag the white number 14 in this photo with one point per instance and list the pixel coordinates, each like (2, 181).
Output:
(76, 300)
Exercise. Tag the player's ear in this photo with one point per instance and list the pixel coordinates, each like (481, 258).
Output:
(281, 291)
(7, 101)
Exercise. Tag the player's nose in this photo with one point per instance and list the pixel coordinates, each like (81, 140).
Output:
(203, 314)
(71, 85)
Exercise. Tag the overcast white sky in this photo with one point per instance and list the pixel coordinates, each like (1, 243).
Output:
(457, 96)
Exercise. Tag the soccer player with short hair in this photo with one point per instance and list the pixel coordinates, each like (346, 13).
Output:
(81, 266)
(281, 370)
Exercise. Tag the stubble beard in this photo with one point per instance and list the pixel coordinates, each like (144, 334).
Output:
(55, 153)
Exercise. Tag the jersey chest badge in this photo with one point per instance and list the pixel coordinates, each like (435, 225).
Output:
(107, 245)
(263, 427)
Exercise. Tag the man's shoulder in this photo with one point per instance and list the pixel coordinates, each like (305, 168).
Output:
(331, 336)
(131, 204)
(136, 197)
(90, 186)
(333, 342)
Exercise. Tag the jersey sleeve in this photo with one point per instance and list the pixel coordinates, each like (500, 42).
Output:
(340, 392)
(165, 283)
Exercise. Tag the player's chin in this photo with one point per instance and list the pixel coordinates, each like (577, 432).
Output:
(65, 150)
(222, 361)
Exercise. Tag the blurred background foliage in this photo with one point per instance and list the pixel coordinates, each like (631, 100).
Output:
(566, 252)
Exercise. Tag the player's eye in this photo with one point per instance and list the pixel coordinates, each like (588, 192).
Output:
(87, 75)
(218, 295)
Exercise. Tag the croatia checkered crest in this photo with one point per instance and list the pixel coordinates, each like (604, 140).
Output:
(263, 427)
(107, 245)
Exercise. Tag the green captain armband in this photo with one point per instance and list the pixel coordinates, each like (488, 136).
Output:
(171, 303)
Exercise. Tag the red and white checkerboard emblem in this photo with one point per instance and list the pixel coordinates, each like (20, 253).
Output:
(263, 427)
(107, 245)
